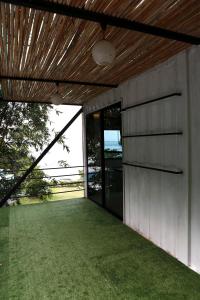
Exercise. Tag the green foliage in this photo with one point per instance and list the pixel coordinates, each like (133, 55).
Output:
(63, 163)
(23, 128)
(38, 187)
(54, 182)
(6, 182)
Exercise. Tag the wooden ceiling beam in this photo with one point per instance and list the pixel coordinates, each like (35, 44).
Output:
(104, 19)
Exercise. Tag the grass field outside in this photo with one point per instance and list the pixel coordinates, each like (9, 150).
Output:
(56, 197)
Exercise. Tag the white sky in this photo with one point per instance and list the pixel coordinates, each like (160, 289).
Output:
(73, 140)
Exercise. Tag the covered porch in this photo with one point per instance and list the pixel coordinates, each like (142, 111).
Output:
(148, 176)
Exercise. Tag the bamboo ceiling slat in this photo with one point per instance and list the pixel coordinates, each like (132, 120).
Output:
(44, 45)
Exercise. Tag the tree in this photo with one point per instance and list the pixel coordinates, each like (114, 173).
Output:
(37, 187)
(62, 163)
(23, 127)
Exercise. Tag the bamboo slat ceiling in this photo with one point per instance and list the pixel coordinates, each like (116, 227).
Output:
(44, 45)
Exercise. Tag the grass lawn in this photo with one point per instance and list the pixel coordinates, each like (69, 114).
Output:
(76, 250)
(56, 197)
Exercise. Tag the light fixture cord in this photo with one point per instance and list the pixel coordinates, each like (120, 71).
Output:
(103, 27)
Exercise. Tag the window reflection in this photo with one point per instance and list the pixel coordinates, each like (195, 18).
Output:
(93, 138)
(112, 144)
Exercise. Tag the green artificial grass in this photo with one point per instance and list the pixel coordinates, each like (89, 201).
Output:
(75, 250)
(4, 252)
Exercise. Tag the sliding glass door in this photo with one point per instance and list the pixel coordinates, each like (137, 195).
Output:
(113, 160)
(104, 158)
(94, 157)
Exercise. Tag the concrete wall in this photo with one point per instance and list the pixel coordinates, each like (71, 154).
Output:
(163, 207)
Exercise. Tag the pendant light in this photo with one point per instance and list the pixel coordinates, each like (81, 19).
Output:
(103, 51)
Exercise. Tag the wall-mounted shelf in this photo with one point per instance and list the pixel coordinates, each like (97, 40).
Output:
(150, 167)
(151, 101)
(153, 134)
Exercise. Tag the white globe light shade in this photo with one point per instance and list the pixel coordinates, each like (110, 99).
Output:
(56, 99)
(103, 53)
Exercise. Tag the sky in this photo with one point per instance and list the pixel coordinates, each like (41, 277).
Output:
(73, 140)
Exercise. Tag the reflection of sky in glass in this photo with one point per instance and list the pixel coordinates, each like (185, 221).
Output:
(112, 140)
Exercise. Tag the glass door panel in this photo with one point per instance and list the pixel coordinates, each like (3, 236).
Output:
(94, 157)
(113, 160)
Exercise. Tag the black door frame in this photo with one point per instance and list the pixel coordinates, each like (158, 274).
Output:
(101, 111)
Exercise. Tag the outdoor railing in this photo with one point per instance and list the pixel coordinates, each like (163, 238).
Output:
(78, 184)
